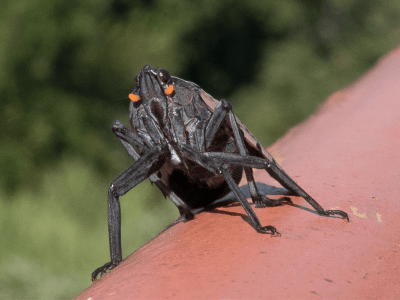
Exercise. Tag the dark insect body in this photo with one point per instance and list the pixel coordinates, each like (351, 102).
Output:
(194, 149)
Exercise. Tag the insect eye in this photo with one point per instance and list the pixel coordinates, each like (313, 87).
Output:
(164, 75)
(133, 97)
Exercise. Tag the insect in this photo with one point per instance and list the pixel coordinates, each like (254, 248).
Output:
(194, 149)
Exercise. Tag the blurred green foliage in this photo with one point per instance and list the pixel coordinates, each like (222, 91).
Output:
(66, 68)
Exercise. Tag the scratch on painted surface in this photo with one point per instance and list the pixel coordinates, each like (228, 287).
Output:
(379, 217)
(356, 213)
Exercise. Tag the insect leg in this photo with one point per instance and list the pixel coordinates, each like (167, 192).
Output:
(276, 172)
(214, 166)
(125, 136)
(213, 125)
(238, 159)
(216, 119)
(143, 167)
(248, 162)
(258, 199)
(243, 201)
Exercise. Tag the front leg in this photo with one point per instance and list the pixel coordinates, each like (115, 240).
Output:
(114, 233)
(146, 165)
(126, 137)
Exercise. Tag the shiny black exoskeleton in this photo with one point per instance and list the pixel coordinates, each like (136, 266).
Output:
(194, 149)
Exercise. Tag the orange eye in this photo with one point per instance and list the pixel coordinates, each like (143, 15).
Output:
(134, 97)
(169, 90)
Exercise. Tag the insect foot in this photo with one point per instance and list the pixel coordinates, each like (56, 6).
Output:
(268, 229)
(102, 270)
(336, 212)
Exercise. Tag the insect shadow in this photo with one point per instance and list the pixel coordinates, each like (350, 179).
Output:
(230, 200)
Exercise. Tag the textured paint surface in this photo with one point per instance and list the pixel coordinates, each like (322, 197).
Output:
(347, 157)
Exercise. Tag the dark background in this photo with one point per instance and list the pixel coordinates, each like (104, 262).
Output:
(66, 68)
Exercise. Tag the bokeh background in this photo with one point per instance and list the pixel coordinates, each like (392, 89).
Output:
(66, 68)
